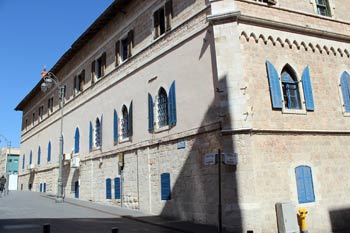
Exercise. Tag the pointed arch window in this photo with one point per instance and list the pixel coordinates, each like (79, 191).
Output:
(124, 122)
(290, 88)
(30, 157)
(39, 155)
(76, 140)
(49, 152)
(162, 107)
(98, 131)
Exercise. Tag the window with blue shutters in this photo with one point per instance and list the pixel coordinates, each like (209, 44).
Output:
(30, 157)
(162, 112)
(344, 85)
(108, 188)
(165, 186)
(44, 188)
(115, 126)
(289, 97)
(305, 185)
(117, 193)
(76, 140)
(39, 154)
(23, 161)
(290, 88)
(41, 187)
(49, 152)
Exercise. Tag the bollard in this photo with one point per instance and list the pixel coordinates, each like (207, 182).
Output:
(46, 228)
(115, 230)
(302, 219)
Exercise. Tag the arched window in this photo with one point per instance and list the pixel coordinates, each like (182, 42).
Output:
(30, 157)
(290, 88)
(76, 140)
(124, 122)
(23, 161)
(49, 152)
(39, 154)
(162, 106)
(97, 132)
(305, 185)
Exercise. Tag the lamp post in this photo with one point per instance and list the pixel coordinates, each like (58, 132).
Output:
(48, 79)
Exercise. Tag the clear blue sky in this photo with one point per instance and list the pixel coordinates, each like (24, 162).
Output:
(33, 34)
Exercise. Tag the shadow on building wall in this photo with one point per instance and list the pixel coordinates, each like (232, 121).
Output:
(340, 220)
(195, 195)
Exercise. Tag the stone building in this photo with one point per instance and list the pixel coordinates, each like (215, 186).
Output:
(154, 88)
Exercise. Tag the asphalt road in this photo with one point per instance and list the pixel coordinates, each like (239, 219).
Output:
(27, 212)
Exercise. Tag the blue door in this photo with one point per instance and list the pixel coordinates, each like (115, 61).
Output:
(76, 189)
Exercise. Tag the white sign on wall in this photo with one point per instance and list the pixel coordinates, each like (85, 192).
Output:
(209, 159)
(230, 158)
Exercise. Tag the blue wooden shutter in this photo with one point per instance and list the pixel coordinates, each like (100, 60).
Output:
(165, 186)
(90, 136)
(304, 184)
(24, 159)
(49, 152)
(76, 141)
(116, 188)
(130, 120)
(344, 83)
(150, 113)
(101, 129)
(115, 126)
(41, 187)
(275, 86)
(108, 188)
(39, 152)
(172, 105)
(309, 99)
(44, 187)
(30, 157)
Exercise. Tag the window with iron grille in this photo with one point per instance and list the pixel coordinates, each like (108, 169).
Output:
(162, 108)
(290, 89)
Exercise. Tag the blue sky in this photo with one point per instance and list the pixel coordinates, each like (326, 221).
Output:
(33, 34)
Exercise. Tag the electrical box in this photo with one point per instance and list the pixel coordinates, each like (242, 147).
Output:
(287, 218)
(75, 162)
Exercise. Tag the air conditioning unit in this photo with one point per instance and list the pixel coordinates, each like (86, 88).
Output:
(287, 218)
(75, 162)
(67, 157)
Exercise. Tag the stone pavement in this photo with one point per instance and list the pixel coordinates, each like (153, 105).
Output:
(26, 212)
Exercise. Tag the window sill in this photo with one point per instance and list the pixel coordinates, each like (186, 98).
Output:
(123, 140)
(161, 129)
(346, 114)
(294, 111)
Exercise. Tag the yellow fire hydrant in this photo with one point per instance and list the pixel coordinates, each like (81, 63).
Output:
(302, 212)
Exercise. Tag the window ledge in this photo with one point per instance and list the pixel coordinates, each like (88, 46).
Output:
(346, 114)
(123, 140)
(161, 129)
(294, 111)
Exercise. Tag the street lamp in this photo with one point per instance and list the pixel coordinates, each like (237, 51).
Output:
(48, 80)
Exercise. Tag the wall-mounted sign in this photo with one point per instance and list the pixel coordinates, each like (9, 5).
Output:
(181, 145)
(230, 158)
(209, 159)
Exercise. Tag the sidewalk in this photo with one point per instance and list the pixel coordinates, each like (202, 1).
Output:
(171, 224)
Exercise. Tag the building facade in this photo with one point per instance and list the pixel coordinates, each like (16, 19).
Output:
(153, 89)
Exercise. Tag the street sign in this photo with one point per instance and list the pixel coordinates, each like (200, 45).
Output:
(230, 158)
(209, 159)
